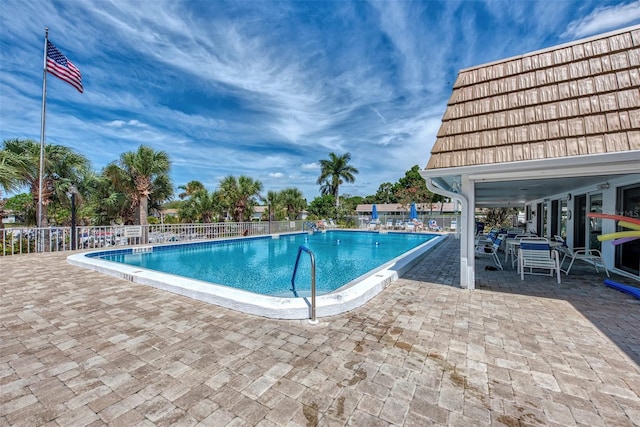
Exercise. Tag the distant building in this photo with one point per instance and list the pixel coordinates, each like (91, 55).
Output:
(399, 210)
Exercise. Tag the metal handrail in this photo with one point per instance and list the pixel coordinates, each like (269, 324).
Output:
(313, 280)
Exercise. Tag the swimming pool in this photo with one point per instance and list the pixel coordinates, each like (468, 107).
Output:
(351, 267)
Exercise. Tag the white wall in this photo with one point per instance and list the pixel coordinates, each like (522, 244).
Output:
(609, 205)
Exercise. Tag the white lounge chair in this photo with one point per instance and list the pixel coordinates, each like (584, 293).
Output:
(486, 249)
(433, 225)
(536, 254)
(592, 256)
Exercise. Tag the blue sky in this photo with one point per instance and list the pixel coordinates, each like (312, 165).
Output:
(266, 89)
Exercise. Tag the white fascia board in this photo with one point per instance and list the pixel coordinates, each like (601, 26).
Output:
(589, 165)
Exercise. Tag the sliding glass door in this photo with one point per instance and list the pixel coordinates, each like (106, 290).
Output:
(595, 224)
(628, 254)
(586, 230)
(580, 222)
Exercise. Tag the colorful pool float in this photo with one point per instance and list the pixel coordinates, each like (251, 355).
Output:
(620, 237)
(631, 290)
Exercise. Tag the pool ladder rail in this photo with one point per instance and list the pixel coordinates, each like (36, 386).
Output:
(312, 308)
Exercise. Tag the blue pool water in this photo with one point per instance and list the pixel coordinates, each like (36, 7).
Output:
(265, 265)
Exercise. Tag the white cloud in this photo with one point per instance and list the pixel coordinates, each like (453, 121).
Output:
(122, 123)
(603, 19)
(310, 166)
(250, 87)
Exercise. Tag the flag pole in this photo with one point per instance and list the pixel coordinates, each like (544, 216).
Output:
(42, 125)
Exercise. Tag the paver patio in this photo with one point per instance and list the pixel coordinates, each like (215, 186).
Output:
(81, 348)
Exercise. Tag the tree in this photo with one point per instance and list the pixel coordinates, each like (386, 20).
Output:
(274, 205)
(413, 188)
(240, 196)
(22, 206)
(499, 217)
(327, 189)
(385, 194)
(350, 203)
(10, 165)
(323, 207)
(113, 196)
(162, 191)
(190, 188)
(335, 171)
(294, 202)
(142, 168)
(202, 205)
(62, 167)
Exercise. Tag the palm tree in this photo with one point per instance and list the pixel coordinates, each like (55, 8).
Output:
(62, 167)
(10, 165)
(294, 202)
(335, 171)
(202, 205)
(272, 200)
(240, 196)
(114, 196)
(326, 189)
(143, 167)
(190, 188)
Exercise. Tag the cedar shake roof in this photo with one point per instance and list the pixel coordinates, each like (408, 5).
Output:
(575, 99)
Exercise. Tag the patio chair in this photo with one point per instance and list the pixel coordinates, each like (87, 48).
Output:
(433, 225)
(538, 255)
(511, 247)
(591, 256)
(490, 250)
(487, 238)
(389, 224)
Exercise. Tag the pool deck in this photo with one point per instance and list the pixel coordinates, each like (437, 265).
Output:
(81, 348)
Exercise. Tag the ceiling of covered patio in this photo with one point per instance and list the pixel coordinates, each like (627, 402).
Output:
(506, 187)
(517, 193)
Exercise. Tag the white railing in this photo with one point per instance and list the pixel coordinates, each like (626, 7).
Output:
(14, 241)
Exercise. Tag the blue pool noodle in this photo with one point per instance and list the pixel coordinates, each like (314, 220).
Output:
(623, 288)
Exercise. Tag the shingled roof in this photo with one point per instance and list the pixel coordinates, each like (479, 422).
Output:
(575, 99)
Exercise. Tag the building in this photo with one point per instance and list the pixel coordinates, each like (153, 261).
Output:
(556, 131)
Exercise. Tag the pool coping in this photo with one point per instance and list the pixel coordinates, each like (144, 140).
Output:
(348, 297)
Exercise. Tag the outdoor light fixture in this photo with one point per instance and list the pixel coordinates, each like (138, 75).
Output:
(568, 196)
(603, 186)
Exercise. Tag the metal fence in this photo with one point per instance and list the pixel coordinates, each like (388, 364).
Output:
(16, 241)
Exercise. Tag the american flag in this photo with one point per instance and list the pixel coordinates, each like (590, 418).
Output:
(61, 67)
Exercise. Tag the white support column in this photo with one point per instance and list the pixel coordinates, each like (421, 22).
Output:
(467, 277)
(467, 238)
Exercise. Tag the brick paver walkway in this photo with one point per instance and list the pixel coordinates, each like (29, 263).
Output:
(81, 348)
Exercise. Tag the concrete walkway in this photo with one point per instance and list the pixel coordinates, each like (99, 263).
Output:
(81, 348)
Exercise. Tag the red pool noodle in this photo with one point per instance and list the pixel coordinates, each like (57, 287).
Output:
(614, 217)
